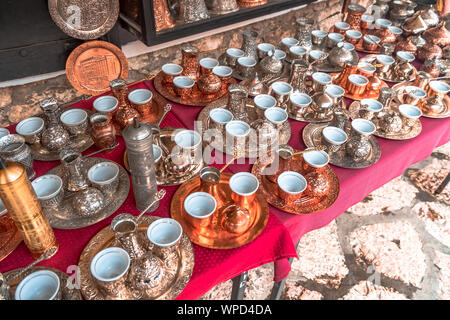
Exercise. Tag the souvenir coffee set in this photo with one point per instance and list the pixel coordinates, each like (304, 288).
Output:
(305, 78)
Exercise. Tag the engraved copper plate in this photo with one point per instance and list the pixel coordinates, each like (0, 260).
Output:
(389, 76)
(10, 237)
(402, 135)
(312, 136)
(445, 113)
(65, 218)
(306, 204)
(92, 65)
(252, 149)
(164, 178)
(180, 266)
(213, 235)
(196, 99)
(77, 143)
(67, 293)
(84, 19)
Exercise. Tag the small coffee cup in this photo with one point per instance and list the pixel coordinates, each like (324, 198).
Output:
(246, 67)
(232, 54)
(157, 153)
(225, 74)
(410, 115)
(320, 80)
(405, 57)
(279, 54)
(366, 21)
(281, 91)
(414, 95)
(170, 71)
(263, 102)
(314, 55)
(183, 86)
(299, 103)
(164, 232)
(220, 117)
(333, 138)
(396, 30)
(370, 43)
(287, 43)
(297, 52)
(291, 185)
(381, 23)
(335, 92)
(333, 39)
(207, 65)
(106, 104)
(237, 132)
(31, 129)
(341, 27)
(276, 116)
(318, 36)
(48, 189)
(353, 36)
(188, 149)
(315, 161)
(75, 121)
(357, 84)
(244, 186)
(264, 48)
(105, 177)
(439, 88)
(385, 63)
(142, 101)
(39, 285)
(369, 107)
(200, 206)
(109, 268)
(363, 127)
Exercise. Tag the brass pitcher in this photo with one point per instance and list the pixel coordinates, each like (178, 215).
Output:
(126, 235)
(305, 27)
(54, 137)
(297, 77)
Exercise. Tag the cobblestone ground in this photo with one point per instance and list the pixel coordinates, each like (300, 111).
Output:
(395, 244)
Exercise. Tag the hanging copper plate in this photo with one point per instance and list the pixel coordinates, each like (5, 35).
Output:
(10, 237)
(214, 236)
(445, 113)
(164, 178)
(312, 136)
(67, 293)
(196, 99)
(252, 149)
(306, 204)
(92, 65)
(84, 19)
(106, 238)
(413, 132)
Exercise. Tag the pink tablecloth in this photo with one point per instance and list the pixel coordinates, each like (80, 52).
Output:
(211, 266)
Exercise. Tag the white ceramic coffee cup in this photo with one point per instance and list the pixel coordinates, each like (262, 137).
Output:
(363, 126)
(30, 128)
(235, 52)
(188, 139)
(316, 54)
(264, 48)
(291, 182)
(396, 30)
(334, 135)
(279, 54)
(353, 34)
(220, 115)
(382, 23)
(300, 99)
(164, 232)
(334, 91)
(140, 96)
(297, 51)
(281, 87)
(289, 42)
(237, 128)
(276, 115)
(47, 187)
(358, 80)
(106, 104)
(318, 36)
(110, 264)
(316, 158)
(222, 71)
(264, 101)
(105, 177)
(385, 59)
(172, 69)
(409, 111)
(244, 183)
(39, 285)
(371, 39)
(439, 86)
(247, 62)
(208, 63)
(200, 205)
(372, 105)
(334, 38)
(183, 82)
(341, 25)
(405, 56)
(74, 117)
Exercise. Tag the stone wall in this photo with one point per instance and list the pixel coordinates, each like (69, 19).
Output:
(20, 102)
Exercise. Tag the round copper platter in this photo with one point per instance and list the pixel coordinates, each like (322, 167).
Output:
(306, 204)
(312, 136)
(214, 236)
(10, 237)
(64, 217)
(197, 99)
(167, 135)
(106, 238)
(402, 135)
(92, 65)
(445, 113)
(67, 293)
(84, 19)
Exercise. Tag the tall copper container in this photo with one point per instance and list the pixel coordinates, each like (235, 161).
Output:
(24, 208)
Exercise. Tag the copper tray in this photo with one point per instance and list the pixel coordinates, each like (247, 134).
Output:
(106, 238)
(198, 99)
(10, 237)
(399, 87)
(306, 204)
(92, 65)
(67, 293)
(312, 136)
(203, 116)
(366, 95)
(77, 143)
(214, 236)
(311, 116)
(163, 178)
(64, 218)
(402, 135)
(84, 20)
(389, 77)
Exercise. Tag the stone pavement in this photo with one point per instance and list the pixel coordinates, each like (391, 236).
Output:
(395, 244)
